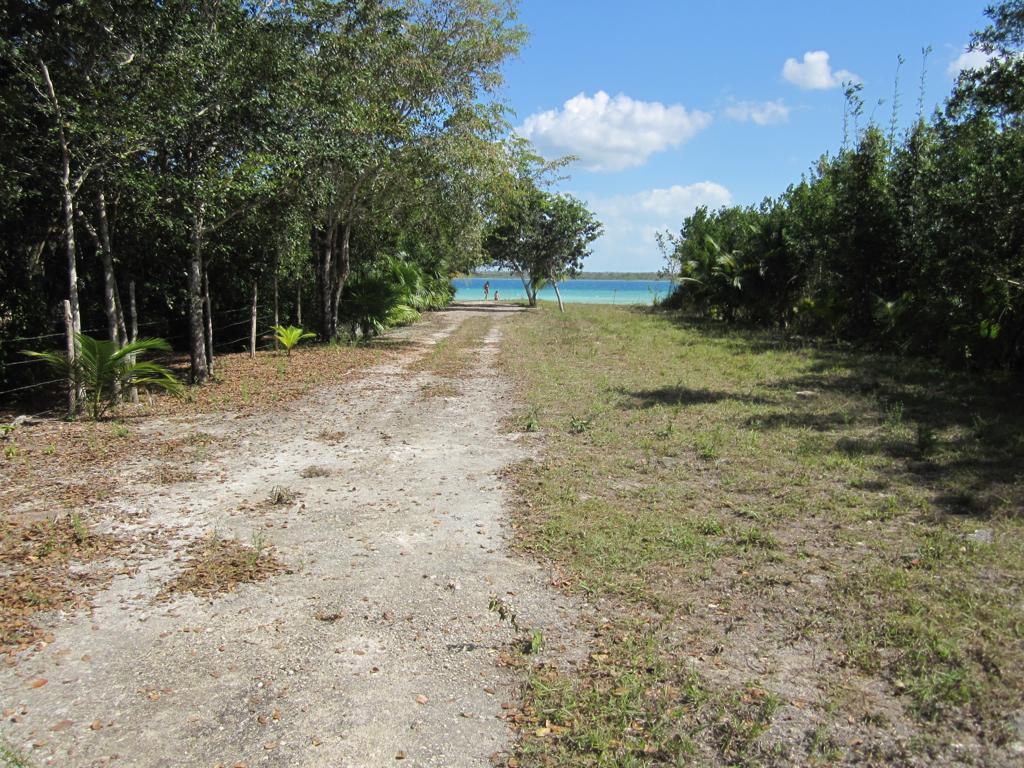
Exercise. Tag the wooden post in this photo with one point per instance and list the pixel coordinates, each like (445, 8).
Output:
(69, 329)
(252, 326)
(133, 330)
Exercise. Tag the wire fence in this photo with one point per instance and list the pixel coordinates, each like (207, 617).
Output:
(263, 322)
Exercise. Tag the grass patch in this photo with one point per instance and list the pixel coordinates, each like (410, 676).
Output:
(215, 565)
(10, 757)
(754, 494)
(450, 356)
(637, 702)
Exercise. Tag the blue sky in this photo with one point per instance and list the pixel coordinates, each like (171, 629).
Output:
(675, 104)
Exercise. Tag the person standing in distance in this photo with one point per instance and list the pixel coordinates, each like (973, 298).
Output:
(487, 288)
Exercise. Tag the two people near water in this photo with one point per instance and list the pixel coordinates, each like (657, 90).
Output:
(487, 290)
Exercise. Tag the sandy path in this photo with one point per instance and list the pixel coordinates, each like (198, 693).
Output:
(378, 646)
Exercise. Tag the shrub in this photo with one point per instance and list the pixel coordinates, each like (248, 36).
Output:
(102, 370)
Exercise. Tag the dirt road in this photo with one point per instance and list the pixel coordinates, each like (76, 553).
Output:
(378, 646)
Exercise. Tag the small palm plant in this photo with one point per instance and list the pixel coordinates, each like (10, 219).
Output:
(103, 370)
(291, 336)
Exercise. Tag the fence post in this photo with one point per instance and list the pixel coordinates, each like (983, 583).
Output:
(69, 330)
(252, 326)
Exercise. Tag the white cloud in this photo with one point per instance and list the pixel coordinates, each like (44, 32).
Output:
(632, 221)
(611, 133)
(815, 73)
(968, 60)
(759, 112)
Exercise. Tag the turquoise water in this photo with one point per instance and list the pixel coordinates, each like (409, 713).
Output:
(573, 291)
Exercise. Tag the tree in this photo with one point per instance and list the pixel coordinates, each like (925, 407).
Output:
(567, 228)
(197, 148)
(543, 237)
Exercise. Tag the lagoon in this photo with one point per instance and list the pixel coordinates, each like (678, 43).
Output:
(573, 291)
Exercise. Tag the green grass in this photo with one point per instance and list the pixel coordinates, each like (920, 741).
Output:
(449, 357)
(11, 757)
(810, 494)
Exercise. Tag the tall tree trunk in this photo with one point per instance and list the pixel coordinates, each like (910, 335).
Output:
(69, 331)
(298, 305)
(558, 295)
(208, 314)
(133, 313)
(342, 270)
(277, 318)
(531, 295)
(197, 340)
(323, 244)
(67, 201)
(252, 324)
(111, 296)
(133, 332)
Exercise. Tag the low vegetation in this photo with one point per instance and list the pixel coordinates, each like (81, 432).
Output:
(214, 565)
(802, 554)
(104, 370)
(448, 358)
(290, 336)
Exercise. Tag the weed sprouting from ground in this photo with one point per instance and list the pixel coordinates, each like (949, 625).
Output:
(279, 495)
(532, 421)
(331, 437)
(503, 610)
(11, 757)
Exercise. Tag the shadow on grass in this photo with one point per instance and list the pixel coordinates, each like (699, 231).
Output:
(680, 395)
(958, 436)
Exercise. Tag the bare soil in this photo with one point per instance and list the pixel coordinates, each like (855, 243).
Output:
(372, 512)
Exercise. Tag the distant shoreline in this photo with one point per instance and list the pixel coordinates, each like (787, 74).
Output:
(581, 276)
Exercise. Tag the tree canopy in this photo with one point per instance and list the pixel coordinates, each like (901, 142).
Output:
(542, 236)
(193, 151)
(912, 243)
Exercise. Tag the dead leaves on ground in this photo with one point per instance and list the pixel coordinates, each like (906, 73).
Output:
(46, 568)
(214, 565)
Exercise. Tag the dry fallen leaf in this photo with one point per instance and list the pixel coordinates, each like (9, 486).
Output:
(38, 683)
(421, 699)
